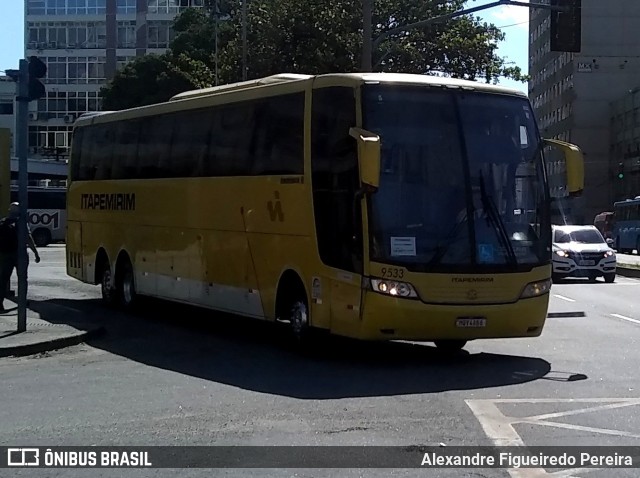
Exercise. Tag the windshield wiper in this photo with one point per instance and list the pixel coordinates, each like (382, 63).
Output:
(494, 218)
(444, 245)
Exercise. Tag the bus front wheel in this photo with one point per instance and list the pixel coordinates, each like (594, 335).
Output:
(450, 345)
(106, 285)
(299, 321)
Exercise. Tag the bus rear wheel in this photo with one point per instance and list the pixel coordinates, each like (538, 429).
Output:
(450, 345)
(125, 286)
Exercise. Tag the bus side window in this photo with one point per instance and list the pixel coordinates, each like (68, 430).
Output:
(335, 179)
(190, 146)
(87, 166)
(154, 146)
(231, 142)
(278, 136)
(102, 151)
(76, 153)
(125, 152)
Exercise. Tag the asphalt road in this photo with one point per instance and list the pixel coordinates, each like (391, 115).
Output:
(173, 375)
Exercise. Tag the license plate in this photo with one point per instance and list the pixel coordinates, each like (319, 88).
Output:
(586, 263)
(471, 323)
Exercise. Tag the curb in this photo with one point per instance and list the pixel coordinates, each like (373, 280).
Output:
(628, 271)
(49, 345)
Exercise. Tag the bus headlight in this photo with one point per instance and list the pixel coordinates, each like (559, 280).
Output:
(608, 254)
(562, 253)
(534, 289)
(395, 288)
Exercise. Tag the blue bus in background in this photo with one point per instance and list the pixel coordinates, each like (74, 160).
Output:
(626, 231)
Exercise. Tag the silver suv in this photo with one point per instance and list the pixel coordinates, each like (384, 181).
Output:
(581, 251)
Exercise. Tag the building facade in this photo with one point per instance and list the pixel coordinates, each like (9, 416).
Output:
(625, 145)
(84, 43)
(7, 107)
(572, 92)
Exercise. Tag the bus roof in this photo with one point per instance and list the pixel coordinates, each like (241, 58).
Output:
(355, 78)
(346, 79)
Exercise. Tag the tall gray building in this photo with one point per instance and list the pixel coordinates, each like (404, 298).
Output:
(572, 92)
(83, 43)
(7, 107)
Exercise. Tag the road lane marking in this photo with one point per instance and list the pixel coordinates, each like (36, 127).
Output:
(569, 426)
(568, 299)
(629, 319)
(499, 427)
(577, 411)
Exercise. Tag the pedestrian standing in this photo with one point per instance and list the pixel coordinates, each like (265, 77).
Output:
(9, 249)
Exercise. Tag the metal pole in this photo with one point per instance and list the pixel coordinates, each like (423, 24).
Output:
(215, 13)
(22, 148)
(367, 50)
(244, 40)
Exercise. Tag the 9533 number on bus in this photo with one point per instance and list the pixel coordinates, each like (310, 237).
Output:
(392, 272)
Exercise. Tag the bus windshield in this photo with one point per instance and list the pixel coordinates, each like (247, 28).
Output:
(462, 183)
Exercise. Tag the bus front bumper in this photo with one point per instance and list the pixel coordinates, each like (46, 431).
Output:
(389, 318)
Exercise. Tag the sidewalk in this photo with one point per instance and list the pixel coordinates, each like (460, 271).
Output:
(42, 335)
(628, 266)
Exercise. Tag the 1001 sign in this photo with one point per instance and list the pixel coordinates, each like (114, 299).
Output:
(45, 219)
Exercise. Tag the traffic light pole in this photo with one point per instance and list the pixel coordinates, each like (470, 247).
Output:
(22, 147)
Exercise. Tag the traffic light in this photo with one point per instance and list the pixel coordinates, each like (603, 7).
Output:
(566, 25)
(620, 170)
(37, 70)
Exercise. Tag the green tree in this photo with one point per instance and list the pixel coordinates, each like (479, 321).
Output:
(154, 78)
(325, 36)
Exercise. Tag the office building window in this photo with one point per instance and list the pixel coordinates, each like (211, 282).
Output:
(48, 139)
(159, 34)
(58, 104)
(172, 6)
(126, 6)
(66, 7)
(127, 34)
(71, 35)
(75, 70)
(122, 61)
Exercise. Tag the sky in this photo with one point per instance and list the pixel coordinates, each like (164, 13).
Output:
(513, 20)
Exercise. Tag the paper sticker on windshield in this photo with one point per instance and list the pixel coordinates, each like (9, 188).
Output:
(403, 246)
(486, 253)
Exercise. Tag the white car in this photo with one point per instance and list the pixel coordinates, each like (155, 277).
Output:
(581, 251)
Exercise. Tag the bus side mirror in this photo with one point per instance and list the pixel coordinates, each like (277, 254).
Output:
(368, 157)
(575, 165)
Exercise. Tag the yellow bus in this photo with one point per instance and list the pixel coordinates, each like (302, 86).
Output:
(373, 206)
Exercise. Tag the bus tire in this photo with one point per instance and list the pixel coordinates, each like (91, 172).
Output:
(610, 278)
(106, 284)
(449, 346)
(41, 237)
(292, 308)
(125, 285)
